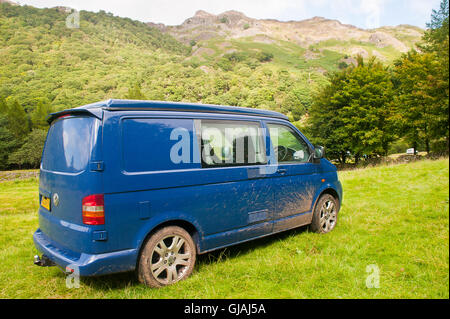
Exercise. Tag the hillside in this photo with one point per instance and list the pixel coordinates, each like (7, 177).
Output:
(224, 59)
(317, 36)
(41, 58)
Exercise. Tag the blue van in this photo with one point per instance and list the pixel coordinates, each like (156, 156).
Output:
(146, 186)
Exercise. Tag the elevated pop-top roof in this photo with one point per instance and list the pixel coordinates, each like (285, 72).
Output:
(116, 105)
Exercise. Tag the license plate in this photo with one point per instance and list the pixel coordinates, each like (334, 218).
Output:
(45, 202)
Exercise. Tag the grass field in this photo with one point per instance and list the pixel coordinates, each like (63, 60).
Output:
(394, 217)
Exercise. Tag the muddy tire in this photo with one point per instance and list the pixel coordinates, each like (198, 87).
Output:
(167, 257)
(325, 214)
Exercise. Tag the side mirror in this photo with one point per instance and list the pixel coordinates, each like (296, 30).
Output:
(319, 153)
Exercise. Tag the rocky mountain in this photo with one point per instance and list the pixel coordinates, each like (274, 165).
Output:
(205, 28)
(9, 2)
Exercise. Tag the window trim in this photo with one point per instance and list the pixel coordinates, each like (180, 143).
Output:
(198, 131)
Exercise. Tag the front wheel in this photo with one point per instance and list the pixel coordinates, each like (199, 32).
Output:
(325, 214)
(167, 257)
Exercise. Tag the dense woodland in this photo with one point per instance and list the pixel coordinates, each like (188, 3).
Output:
(356, 111)
(364, 110)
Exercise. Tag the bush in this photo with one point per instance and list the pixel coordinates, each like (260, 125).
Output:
(264, 56)
(29, 154)
(342, 65)
(236, 56)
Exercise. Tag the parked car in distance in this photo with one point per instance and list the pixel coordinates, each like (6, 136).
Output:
(147, 186)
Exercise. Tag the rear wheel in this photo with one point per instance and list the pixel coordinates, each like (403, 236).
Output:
(325, 214)
(167, 257)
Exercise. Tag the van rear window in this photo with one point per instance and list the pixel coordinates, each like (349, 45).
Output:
(68, 145)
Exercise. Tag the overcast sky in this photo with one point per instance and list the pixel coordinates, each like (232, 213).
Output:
(362, 13)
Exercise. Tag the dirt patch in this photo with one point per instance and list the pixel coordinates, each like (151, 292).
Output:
(310, 55)
(262, 38)
(378, 55)
(360, 51)
(382, 40)
(350, 61)
(402, 159)
(6, 176)
(224, 45)
(205, 35)
(320, 70)
(202, 51)
(206, 69)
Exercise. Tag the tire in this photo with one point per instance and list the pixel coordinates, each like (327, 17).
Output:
(325, 214)
(167, 257)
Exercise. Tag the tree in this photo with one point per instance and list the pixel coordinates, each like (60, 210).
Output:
(422, 82)
(293, 106)
(8, 142)
(3, 106)
(436, 41)
(18, 122)
(5, 135)
(40, 114)
(264, 56)
(354, 113)
(436, 38)
(323, 125)
(415, 79)
(14, 126)
(29, 154)
(135, 93)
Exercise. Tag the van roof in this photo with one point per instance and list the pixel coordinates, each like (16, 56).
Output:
(116, 105)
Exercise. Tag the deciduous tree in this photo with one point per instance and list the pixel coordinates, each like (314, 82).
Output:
(354, 113)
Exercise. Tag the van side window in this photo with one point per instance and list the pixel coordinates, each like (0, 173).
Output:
(150, 145)
(288, 146)
(231, 143)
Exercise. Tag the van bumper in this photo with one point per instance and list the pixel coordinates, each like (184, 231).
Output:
(85, 264)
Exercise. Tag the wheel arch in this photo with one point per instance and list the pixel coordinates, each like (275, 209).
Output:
(186, 225)
(330, 191)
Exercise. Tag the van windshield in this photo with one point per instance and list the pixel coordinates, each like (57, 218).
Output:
(68, 145)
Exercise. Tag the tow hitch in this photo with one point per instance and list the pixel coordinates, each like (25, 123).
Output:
(43, 261)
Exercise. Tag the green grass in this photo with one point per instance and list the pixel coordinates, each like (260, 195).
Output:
(334, 50)
(396, 217)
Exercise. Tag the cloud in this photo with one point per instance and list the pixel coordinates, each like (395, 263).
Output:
(366, 12)
(260, 9)
(422, 9)
(373, 10)
(175, 12)
(363, 13)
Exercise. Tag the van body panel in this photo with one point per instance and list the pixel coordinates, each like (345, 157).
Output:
(295, 185)
(86, 264)
(219, 199)
(134, 154)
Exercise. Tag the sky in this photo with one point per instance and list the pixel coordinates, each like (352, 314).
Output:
(361, 13)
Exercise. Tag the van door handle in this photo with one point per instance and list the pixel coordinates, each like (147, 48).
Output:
(282, 171)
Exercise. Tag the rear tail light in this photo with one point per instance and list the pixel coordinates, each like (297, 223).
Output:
(93, 210)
